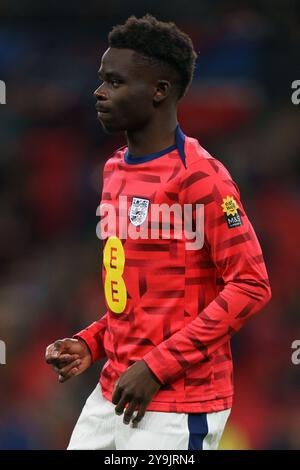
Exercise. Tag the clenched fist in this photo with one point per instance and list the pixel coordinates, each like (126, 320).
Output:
(68, 357)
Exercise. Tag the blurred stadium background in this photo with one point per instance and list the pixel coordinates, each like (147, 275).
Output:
(52, 152)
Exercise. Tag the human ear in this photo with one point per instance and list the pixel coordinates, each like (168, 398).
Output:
(162, 90)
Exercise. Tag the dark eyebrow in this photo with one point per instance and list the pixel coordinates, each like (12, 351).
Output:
(110, 74)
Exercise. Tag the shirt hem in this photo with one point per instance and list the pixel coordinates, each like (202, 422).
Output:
(210, 406)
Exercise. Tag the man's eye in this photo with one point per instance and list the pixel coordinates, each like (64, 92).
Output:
(115, 83)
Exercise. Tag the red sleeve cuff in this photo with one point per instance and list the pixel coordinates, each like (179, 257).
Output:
(90, 342)
(156, 363)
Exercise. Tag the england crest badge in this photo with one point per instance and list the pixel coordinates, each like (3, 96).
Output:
(138, 211)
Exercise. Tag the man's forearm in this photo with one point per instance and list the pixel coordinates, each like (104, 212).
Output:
(213, 327)
(93, 336)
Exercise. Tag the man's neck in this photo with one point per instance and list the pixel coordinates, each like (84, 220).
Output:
(152, 138)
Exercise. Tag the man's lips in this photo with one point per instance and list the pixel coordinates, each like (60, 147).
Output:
(101, 109)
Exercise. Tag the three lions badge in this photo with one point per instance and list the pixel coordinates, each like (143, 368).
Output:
(138, 211)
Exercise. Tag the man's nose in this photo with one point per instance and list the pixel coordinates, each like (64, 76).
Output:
(100, 92)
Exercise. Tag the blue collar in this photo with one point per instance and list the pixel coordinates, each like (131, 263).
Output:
(179, 145)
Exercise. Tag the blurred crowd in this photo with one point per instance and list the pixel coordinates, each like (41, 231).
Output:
(52, 152)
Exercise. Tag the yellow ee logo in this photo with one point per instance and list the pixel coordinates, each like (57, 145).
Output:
(114, 287)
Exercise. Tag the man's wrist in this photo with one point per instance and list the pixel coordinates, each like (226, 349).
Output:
(152, 374)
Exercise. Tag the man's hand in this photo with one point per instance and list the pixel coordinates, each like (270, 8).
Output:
(69, 357)
(135, 388)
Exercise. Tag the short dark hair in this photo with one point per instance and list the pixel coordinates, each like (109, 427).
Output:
(158, 40)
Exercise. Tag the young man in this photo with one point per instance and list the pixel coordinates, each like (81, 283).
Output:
(171, 306)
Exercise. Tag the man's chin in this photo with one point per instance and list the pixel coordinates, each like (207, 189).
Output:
(110, 128)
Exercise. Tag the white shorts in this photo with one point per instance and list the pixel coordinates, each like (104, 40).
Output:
(99, 428)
